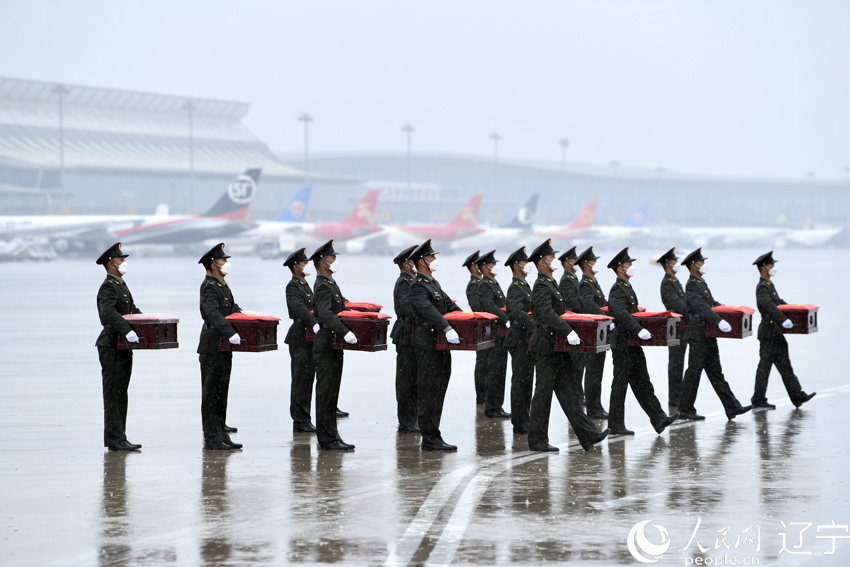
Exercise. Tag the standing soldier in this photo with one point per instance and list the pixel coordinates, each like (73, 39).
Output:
(114, 300)
(329, 301)
(592, 300)
(433, 367)
(406, 392)
(216, 303)
(703, 352)
(569, 286)
(629, 361)
(522, 325)
(474, 301)
(492, 300)
(299, 303)
(773, 348)
(553, 368)
(674, 299)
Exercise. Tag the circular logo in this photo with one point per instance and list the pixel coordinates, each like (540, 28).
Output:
(241, 190)
(644, 550)
(525, 216)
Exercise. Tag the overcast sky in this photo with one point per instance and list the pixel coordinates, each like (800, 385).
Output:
(732, 87)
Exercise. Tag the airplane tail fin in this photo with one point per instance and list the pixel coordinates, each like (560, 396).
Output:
(468, 215)
(236, 200)
(584, 219)
(638, 218)
(364, 211)
(525, 215)
(296, 209)
(162, 210)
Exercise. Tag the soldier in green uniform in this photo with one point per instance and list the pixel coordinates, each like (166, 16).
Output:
(299, 304)
(406, 391)
(474, 301)
(492, 299)
(433, 367)
(553, 368)
(629, 361)
(522, 325)
(569, 286)
(114, 300)
(773, 348)
(592, 300)
(703, 352)
(329, 301)
(674, 299)
(216, 303)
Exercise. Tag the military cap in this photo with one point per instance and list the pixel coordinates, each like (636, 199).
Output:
(571, 253)
(516, 256)
(694, 256)
(326, 249)
(621, 258)
(488, 258)
(214, 253)
(422, 250)
(586, 256)
(404, 255)
(765, 259)
(543, 250)
(669, 255)
(113, 251)
(471, 259)
(295, 257)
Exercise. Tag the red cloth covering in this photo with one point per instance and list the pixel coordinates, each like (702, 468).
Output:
(363, 315)
(149, 316)
(667, 314)
(570, 316)
(362, 305)
(468, 315)
(251, 316)
(640, 309)
(733, 308)
(798, 307)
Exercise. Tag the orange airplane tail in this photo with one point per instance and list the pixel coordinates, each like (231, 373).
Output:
(364, 211)
(467, 217)
(584, 219)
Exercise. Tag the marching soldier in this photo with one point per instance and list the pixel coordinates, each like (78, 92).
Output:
(329, 301)
(569, 286)
(299, 303)
(629, 361)
(703, 352)
(433, 367)
(406, 391)
(474, 301)
(592, 300)
(522, 325)
(492, 300)
(216, 303)
(773, 348)
(114, 300)
(553, 368)
(674, 300)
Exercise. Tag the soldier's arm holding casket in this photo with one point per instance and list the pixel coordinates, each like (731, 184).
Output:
(618, 307)
(588, 303)
(544, 313)
(488, 304)
(671, 299)
(766, 305)
(295, 304)
(516, 308)
(420, 299)
(209, 306)
(323, 299)
(700, 306)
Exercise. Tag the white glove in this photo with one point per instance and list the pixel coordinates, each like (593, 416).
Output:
(724, 326)
(644, 335)
(316, 328)
(132, 337)
(452, 337)
(611, 328)
(350, 338)
(508, 325)
(573, 339)
(235, 339)
(787, 323)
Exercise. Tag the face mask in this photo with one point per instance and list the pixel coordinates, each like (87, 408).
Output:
(122, 267)
(433, 265)
(594, 269)
(334, 268)
(304, 272)
(771, 272)
(675, 268)
(524, 270)
(494, 270)
(702, 269)
(631, 272)
(225, 268)
(412, 267)
(551, 265)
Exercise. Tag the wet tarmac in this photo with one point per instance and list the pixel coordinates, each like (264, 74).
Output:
(769, 488)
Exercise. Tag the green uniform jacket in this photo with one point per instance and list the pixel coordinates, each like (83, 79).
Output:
(114, 300)
(700, 315)
(767, 299)
(518, 307)
(547, 306)
(472, 295)
(673, 295)
(492, 298)
(299, 303)
(403, 326)
(569, 287)
(622, 302)
(591, 295)
(216, 304)
(329, 301)
(429, 303)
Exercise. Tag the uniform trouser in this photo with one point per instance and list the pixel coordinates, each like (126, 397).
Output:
(215, 383)
(703, 354)
(434, 369)
(554, 375)
(522, 384)
(328, 380)
(303, 371)
(630, 370)
(675, 371)
(497, 368)
(115, 369)
(480, 375)
(594, 366)
(774, 351)
(406, 385)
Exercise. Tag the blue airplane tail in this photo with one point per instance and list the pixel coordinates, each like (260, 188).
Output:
(525, 215)
(296, 209)
(638, 217)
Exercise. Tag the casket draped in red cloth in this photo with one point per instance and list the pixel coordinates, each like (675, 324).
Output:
(362, 306)
(662, 325)
(257, 330)
(803, 315)
(156, 331)
(476, 329)
(370, 328)
(591, 329)
(739, 317)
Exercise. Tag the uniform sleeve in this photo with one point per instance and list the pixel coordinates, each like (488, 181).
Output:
(402, 297)
(295, 304)
(698, 304)
(472, 296)
(618, 308)
(516, 309)
(766, 305)
(209, 306)
(671, 299)
(107, 298)
(420, 300)
(485, 293)
(588, 304)
(323, 299)
(544, 314)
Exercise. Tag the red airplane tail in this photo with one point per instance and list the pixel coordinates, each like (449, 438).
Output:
(364, 211)
(584, 219)
(467, 217)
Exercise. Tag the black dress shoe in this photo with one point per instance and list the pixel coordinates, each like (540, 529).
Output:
(303, 428)
(123, 446)
(520, 429)
(340, 413)
(217, 446)
(543, 447)
(233, 444)
(597, 414)
(620, 431)
(763, 405)
(803, 399)
(438, 445)
(497, 413)
(588, 445)
(133, 445)
(228, 429)
(336, 445)
(665, 422)
(685, 416)
(409, 429)
(734, 412)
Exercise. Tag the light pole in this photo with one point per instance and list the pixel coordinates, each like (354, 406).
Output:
(189, 106)
(495, 137)
(563, 142)
(306, 119)
(61, 91)
(408, 130)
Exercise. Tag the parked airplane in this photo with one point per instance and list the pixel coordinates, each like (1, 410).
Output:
(508, 235)
(581, 226)
(462, 225)
(358, 224)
